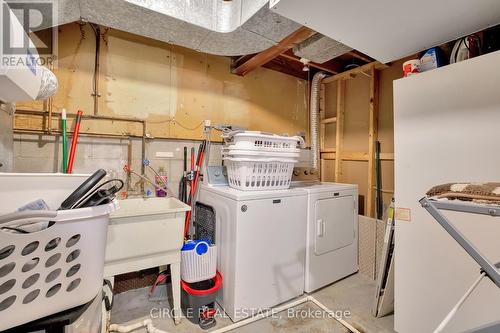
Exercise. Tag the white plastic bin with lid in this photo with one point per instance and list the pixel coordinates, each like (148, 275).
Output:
(55, 269)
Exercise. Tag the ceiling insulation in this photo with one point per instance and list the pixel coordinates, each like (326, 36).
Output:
(234, 28)
(320, 49)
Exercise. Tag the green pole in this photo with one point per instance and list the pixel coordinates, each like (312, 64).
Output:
(64, 142)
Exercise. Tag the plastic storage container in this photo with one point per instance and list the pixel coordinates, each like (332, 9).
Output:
(55, 269)
(198, 261)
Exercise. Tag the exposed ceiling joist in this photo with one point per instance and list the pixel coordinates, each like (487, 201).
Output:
(269, 54)
(360, 56)
(331, 67)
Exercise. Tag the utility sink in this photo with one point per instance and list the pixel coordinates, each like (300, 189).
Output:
(144, 233)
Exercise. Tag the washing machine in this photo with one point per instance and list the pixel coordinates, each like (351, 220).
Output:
(332, 232)
(260, 237)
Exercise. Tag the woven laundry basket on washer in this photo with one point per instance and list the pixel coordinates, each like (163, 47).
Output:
(260, 161)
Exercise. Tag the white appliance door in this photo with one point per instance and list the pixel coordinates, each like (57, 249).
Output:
(334, 224)
(270, 252)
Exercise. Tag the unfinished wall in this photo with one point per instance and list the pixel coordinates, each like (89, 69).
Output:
(356, 127)
(355, 139)
(171, 87)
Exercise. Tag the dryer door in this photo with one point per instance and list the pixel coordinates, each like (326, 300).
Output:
(334, 224)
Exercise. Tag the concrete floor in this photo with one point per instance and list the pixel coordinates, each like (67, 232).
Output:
(354, 294)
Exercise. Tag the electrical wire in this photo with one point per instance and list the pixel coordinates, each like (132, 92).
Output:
(172, 120)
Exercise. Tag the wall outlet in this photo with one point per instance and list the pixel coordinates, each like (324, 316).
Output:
(164, 154)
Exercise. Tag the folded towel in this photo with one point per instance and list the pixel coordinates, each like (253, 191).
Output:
(481, 192)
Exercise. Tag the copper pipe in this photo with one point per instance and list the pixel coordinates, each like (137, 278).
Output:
(86, 134)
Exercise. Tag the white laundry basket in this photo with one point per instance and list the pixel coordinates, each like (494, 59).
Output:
(254, 140)
(55, 269)
(260, 161)
(254, 174)
(198, 261)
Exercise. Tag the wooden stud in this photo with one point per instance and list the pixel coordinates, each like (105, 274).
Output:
(372, 139)
(339, 135)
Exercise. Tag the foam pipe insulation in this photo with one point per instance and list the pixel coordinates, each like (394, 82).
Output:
(314, 114)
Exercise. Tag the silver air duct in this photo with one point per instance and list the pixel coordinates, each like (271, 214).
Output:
(314, 113)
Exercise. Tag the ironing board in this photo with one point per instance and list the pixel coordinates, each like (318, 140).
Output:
(434, 207)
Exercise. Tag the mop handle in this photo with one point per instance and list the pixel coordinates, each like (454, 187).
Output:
(74, 141)
(64, 141)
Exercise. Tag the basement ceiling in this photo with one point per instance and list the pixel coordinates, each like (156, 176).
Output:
(388, 30)
(227, 28)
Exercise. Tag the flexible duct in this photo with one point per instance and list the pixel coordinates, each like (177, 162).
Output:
(314, 113)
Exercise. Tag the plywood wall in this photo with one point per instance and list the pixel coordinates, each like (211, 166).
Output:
(171, 87)
(356, 127)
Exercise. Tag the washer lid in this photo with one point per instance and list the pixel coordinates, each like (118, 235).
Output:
(316, 186)
(239, 195)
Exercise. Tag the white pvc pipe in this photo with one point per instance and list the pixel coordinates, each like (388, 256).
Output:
(457, 306)
(340, 320)
(284, 307)
(125, 329)
(262, 315)
(151, 329)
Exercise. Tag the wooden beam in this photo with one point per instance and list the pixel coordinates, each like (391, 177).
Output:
(355, 71)
(372, 139)
(360, 56)
(269, 54)
(329, 154)
(329, 68)
(329, 120)
(339, 135)
(287, 67)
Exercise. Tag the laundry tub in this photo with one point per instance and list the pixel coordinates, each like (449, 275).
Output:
(146, 233)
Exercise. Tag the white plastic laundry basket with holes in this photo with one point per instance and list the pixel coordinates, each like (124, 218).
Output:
(260, 161)
(253, 140)
(55, 269)
(254, 174)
